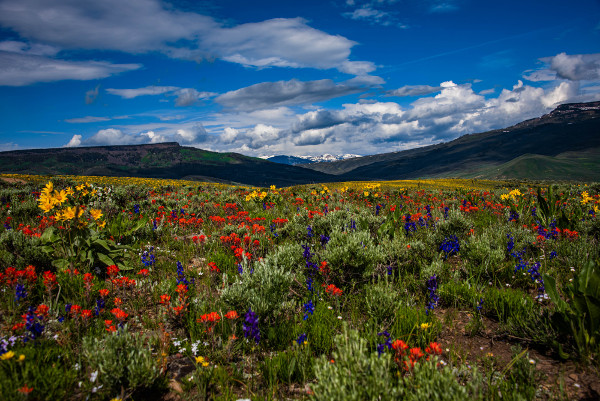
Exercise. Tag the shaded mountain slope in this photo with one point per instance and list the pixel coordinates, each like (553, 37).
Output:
(165, 160)
(570, 127)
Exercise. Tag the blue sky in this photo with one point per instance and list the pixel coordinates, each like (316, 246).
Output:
(287, 77)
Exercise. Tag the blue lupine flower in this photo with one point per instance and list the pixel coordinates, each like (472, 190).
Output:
(34, 327)
(387, 344)
(307, 255)
(309, 308)
(446, 212)
(511, 243)
(250, 326)
(553, 254)
(432, 285)
(240, 268)
(148, 257)
(389, 270)
(324, 239)
(513, 216)
(536, 277)
(450, 246)
(180, 275)
(377, 209)
(409, 226)
(20, 292)
(352, 225)
(100, 304)
(301, 339)
(480, 305)
(309, 282)
(136, 209)
(309, 233)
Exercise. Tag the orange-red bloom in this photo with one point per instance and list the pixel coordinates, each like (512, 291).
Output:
(232, 315)
(434, 349)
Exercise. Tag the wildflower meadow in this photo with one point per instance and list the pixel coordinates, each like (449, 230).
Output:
(142, 289)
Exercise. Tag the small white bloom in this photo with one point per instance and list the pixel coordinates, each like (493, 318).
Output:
(93, 376)
(532, 361)
(339, 318)
(330, 307)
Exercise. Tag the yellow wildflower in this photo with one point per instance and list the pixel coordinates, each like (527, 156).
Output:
(21, 358)
(46, 204)
(48, 188)
(366, 194)
(60, 197)
(425, 326)
(68, 213)
(7, 355)
(200, 360)
(96, 213)
(101, 224)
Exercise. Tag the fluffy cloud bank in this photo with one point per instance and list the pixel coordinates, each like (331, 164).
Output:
(142, 26)
(22, 64)
(184, 96)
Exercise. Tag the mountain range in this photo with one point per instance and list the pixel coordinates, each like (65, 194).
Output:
(295, 160)
(561, 145)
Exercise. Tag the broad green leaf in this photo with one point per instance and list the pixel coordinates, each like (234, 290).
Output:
(550, 285)
(105, 259)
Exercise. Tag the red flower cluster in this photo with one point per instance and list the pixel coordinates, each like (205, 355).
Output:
(120, 314)
(333, 290)
(213, 267)
(408, 357)
(211, 317)
(12, 276)
(112, 271)
(50, 281)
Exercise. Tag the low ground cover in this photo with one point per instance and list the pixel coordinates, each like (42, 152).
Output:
(442, 289)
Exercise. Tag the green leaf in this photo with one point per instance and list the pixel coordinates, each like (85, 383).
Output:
(550, 285)
(102, 243)
(105, 259)
(61, 264)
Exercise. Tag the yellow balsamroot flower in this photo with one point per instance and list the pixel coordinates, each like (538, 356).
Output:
(69, 191)
(504, 196)
(272, 187)
(60, 197)
(515, 192)
(7, 355)
(69, 213)
(46, 204)
(202, 361)
(96, 213)
(425, 326)
(366, 194)
(48, 188)
(585, 198)
(101, 224)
